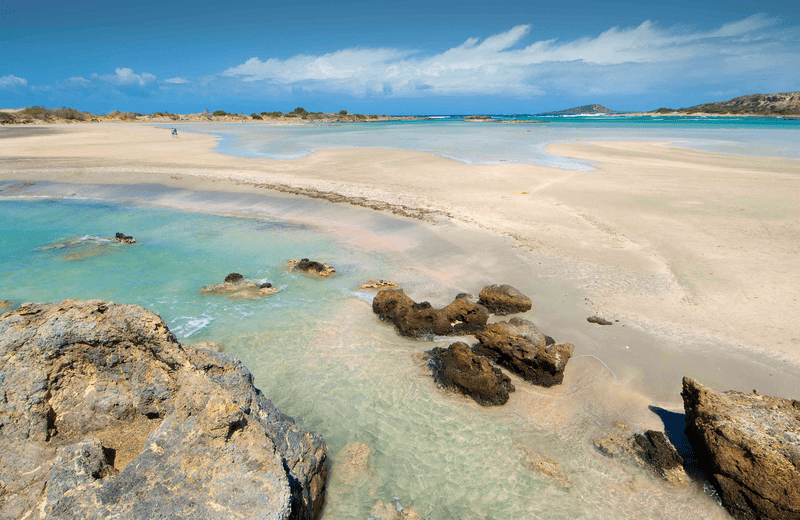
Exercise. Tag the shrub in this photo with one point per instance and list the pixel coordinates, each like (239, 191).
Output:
(256, 116)
(219, 113)
(300, 111)
(360, 116)
(342, 112)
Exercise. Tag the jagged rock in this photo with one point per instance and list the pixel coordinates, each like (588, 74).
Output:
(309, 266)
(237, 286)
(522, 348)
(749, 446)
(503, 300)
(598, 320)
(651, 449)
(123, 238)
(418, 320)
(458, 368)
(105, 415)
(378, 284)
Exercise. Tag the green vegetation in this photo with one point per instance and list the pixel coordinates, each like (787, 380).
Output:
(45, 114)
(256, 116)
(299, 111)
(665, 110)
(218, 113)
(342, 112)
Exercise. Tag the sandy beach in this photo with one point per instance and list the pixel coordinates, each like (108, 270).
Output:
(676, 239)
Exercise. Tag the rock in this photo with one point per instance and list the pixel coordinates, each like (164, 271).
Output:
(123, 238)
(6, 304)
(309, 266)
(458, 368)
(105, 415)
(503, 300)
(386, 511)
(418, 320)
(522, 348)
(749, 446)
(237, 286)
(234, 278)
(208, 345)
(598, 320)
(545, 465)
(378, 284)
(652, 449)
(352, 462)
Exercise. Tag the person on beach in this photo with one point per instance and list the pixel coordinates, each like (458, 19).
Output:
(174, 132)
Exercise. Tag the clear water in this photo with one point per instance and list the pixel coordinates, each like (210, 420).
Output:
(494, 143)
(316, 349)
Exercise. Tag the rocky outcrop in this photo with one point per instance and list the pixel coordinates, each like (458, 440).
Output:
(311, 267)
(651, 449)
(5, 305)
(749, 446)
(105, 415)
(123, 238)
(457, 368)
(237, 286)
(522, 348)
(503, 300)
(418, 320)
(378, 284)
(598, 320)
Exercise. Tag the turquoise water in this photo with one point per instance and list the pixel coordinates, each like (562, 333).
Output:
(494, 143)
(316, 349)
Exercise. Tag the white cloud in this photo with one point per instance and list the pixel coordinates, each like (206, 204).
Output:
(176, 81)
(501, 65)
(11, 81)
(124, 76)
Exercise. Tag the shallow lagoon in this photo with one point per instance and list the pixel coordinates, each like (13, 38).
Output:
(318, 352)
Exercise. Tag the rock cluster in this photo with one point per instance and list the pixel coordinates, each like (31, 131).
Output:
(419, 320)
(237, 286)
(520, 347)
(310, 266)
(104, 414)
(749, 445)
(458, 368)
(651, 449)
(378, 284)
(123, 238)
(503, 300)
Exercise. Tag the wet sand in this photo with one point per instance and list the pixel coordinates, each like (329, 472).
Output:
(681, 241)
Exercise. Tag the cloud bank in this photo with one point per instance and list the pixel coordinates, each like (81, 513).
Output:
(9, 82)
(634, 59)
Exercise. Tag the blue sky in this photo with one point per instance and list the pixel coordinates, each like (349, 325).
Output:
(417, 57)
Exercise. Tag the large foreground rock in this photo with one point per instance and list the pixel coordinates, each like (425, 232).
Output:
(522, 348)
(418, 320)
(503, 300)
(749, 445)
(103, 414)
(458, 368)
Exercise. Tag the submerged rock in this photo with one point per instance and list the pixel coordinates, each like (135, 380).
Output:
(6, 304)
(378, 284)
(123, 238)
(310, 266)
(651, 449)
(458, 368)
(522, 348)
(749, 446)
(386, 511)
(547, 466)
(418, 320)
(503, 300)
(598, 320)
(237, 286)
(106, 415)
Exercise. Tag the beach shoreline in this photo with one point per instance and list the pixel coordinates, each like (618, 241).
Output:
(652, 234)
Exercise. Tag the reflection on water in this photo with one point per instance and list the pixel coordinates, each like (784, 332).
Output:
(315, 348)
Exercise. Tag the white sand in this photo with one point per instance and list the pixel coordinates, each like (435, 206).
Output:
(675, 238)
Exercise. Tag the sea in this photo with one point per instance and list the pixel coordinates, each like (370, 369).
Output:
(318, 352)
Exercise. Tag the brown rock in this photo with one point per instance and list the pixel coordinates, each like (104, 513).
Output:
(233, 278)
(418, 320)
(105, 415)
(749, 446)
(598, 320)
(651, 449)
(458, 368)
(312, 267)
(237, 286)
(522, 348)
(503, 300)
(125, 239)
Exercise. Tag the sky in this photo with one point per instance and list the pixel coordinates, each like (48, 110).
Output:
(378, 57)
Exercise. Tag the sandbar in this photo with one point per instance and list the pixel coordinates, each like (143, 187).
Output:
(676, 239)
